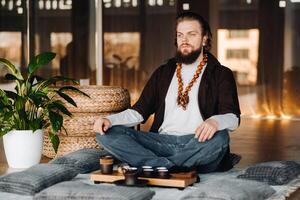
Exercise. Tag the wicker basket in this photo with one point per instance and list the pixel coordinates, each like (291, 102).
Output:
(68, 144)
(103, 99)
(81, 124)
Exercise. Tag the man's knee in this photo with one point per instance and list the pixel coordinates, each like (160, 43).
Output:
(221, 138)
(110, 134)
(114, 130)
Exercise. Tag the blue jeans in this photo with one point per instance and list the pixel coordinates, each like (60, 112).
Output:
(139, 148)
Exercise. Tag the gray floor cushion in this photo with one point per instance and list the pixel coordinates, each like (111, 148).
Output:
(273, 173)
(77, 190)
(36, 178)
(84, 160)
(231, 189)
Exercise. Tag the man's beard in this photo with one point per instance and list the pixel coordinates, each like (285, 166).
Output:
(187, 58)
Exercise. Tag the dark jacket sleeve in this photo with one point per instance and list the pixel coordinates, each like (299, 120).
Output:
(228, 98)
(146, 104)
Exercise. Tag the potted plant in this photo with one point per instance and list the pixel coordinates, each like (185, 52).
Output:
(32, 107)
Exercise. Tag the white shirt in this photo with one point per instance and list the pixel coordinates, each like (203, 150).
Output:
(176, 120)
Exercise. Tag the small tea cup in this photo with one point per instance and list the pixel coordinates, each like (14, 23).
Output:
(163, 173)
(148, 172)
(106, 164)
(131, 175)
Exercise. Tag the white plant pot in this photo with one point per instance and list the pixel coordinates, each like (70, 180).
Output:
(23, 148)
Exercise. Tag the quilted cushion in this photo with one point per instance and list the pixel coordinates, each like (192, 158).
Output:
(77, 190)
(83, 160)
(36, 178)
(273, 173)
(230, 189)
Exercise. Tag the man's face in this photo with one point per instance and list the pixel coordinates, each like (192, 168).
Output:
(189, 37)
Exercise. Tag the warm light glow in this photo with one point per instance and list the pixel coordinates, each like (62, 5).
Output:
(257, 116)
(107, 5)
(286, 117)
(41, 4)
(134, 3)
(186, 6)
(151, 3)
(54, 4)
(19, 3)
(3, 3)
(282, 4)
(271, 117)
(160, 2)
(20, 10)
(10, 5)
(118, 3)
(48, 5)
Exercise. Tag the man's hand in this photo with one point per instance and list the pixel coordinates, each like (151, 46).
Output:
(206, 130)
(101, 125)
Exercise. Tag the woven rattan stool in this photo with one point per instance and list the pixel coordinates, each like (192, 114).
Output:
(79, 134)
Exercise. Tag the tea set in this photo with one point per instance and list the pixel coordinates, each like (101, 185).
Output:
(132, 174)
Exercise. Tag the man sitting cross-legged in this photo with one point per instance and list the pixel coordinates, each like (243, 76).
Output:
(194, 99)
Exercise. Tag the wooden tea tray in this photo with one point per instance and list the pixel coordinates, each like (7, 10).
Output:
(179, 180)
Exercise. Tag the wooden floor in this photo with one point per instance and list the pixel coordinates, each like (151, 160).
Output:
(255, 140)
(265, 140)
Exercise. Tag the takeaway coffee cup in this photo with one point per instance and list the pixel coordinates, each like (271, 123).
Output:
(106, 164)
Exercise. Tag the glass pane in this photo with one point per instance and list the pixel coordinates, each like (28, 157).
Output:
(67, 28)
(263, 53)
(138, 37)
(122, 54)
(12, 36)
(291, 71)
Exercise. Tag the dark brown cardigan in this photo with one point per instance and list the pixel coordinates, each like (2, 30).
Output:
(217, 93)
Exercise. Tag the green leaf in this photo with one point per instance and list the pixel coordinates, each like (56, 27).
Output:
(54, 140)
(2, 93)
(19, 103)
(46, 125)
(10, 77)
(67, 98)
(39, 61)
(14, 71)
(11, 95)
(59, 105)
(5, 94)
(56, 121)
(74, 89)
(38, 97)
(65, 130)
(35, 124)
(54, 80)
(35, 77)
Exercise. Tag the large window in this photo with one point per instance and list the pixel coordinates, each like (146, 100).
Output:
(238, 49)
(10, 48)
(138, 37)
(65, 27)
